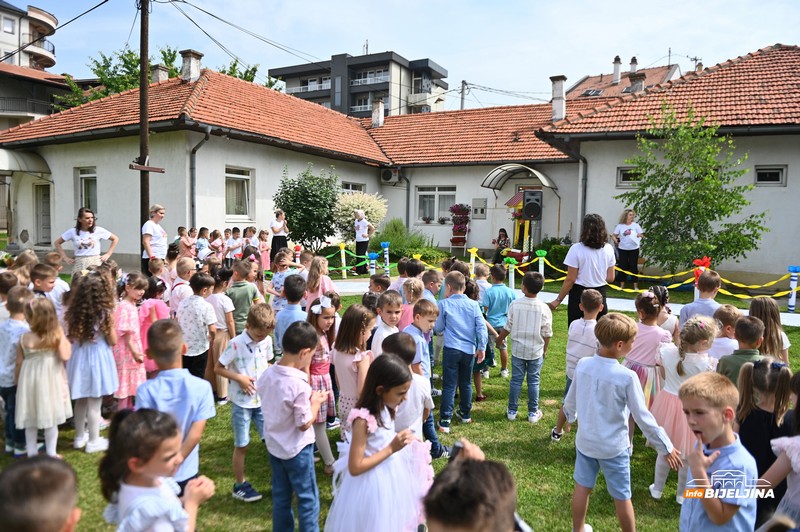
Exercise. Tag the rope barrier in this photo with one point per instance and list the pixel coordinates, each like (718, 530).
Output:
(740, 285)
(652, 276)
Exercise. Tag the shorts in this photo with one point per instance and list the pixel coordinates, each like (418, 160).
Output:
(240, 419)
(617, 471)
(492, 342)
(566, 388)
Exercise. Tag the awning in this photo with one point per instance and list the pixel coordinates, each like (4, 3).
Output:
(497, 178)
(22, 161)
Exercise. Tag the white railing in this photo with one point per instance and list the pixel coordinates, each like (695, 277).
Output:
(360, 108)
(370, 79)
(310, 87)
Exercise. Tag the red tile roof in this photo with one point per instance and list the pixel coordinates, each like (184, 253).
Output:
(758, 89)
(605, 82)
(32, 74)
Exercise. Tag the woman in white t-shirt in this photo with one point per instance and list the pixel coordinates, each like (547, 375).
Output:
(364, 231)
(280, 230)
(154, 238)
(590, 264)
(628, 236)
(85, 238)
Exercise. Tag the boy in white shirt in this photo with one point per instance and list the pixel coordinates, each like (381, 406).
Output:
(196, 317)
(726, 342)
(389, 309)
(234, 245)
(61, 287)
(181, 290)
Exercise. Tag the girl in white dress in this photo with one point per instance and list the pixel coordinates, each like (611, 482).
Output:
(381, 477)
(136, 475)
(787, 449)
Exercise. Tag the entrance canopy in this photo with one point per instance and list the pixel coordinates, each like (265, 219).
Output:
(22, 161)
(497, 178)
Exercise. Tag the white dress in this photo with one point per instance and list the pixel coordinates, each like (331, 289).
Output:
(388, 497)
(790, 504)
(42, 394)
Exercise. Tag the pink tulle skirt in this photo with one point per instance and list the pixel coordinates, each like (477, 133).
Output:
(668, 411)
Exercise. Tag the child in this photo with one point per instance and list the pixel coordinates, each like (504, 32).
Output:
(530, 325)
(56, 295)
(397, 284)
(7, 281)
(495, 302)
(177, 392)
(322, 314)
(40, 494)
(306, 257)
(280, 271)
(425, 315)
(171, 263)
(127, 351)
(263, 249)
(581, 343)
(289, 408)
(709, 402)
(243, 362)
(412, 292)
(432, 281)
(481, 276)
(218, 244)
(378, 482)
(775, 343)
(91, 370)
(666, 319)
(151, 310)
(43, 280)
(136, 475)
(223, 310)
(11, 329)
(603, 392)
(243, 294)
(725, 343)
(708, 284)
(370, 300)
(155, 267)
(379, 283)
(185, 247)
(764, 400)
(749, 334)
(461, 321)
(180, 288)
(233, 242)
(318, 281)
(293, 291)
(692, 358)
(42, 396)
(197, 318)
(390, 310)
(350, 358)
(202, 243)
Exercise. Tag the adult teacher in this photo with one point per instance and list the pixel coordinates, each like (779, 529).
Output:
(628, 237)
(364, 231)
(280, 232)
(85, 238)
(590, 264)
(154, 238)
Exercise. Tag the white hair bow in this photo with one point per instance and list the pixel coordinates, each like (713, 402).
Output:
(324, 302)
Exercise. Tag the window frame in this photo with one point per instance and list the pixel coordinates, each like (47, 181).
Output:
(87, 175)
(13, 26)
(783, 170)
(440, 207)
(351, 188)
(621, 182)
(241, 175)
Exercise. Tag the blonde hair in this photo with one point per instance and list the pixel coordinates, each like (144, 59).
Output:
(41, 316)
(763, 377)
(615, 327)
(413, 289)
(184, 266)
(318, 268)
(713, 388)
(766, 309)
(727, 315)
(695, 330)
(623, 218)
(154, 208)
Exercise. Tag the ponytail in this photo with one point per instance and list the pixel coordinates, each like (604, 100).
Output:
(765, 376)
(682, 354)
(746, 396)
(783, 393)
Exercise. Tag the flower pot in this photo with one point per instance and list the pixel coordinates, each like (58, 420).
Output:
(458, 240)
(459, 233)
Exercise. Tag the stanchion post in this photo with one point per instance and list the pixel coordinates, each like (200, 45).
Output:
(541, 254)
(511, 264)
(473, 252)
(793, 270)
(373, 259)
(343, 257)
(385, 246)
(297, 250)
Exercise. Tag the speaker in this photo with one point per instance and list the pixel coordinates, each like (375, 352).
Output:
(532, 205)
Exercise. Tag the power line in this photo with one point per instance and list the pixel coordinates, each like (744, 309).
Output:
(133, 24)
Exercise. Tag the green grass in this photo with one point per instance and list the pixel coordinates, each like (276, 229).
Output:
(542, 469)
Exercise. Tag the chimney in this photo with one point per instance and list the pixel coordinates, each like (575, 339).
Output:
(559, 101)
(617, 66)
(699, 67)
(637, 81)
(377, 113)
(634, 64)
(158, 73)
(190, 70)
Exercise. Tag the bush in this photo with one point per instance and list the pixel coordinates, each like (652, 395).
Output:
(308, 201)
(404, 243)
(373, 205)
(556, 256)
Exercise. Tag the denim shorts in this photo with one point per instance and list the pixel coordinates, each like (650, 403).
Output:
(566, 388)
(617, 471)
(240, 419)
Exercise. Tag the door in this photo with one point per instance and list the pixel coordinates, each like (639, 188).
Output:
(42, 193)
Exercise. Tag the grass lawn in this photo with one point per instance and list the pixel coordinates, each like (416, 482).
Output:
(543, 469)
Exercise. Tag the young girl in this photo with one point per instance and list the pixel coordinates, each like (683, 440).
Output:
(217, 245)
(666, 319)
(280, 271)
(321, 314)
(185, 245)
(170, 273)
(128, 353)
(42, 396)
(91, 370)
(136, 475)
(692, 358)
(318, 281)
(351, 358)
(151, 310)
(202, 243)
(264, 249)
(223, 309)
(412, 292)
(642, 356)
(381, 476)
(776, 343)
(764, 399)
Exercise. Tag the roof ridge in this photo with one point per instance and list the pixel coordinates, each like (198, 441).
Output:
(197, 90)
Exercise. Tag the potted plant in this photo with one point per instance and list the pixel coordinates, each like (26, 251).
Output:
(460, 221)
(459, 229)
(427, 219)
(443, 219)
(460, 208)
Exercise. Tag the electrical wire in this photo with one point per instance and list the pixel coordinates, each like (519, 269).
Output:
(135, 18)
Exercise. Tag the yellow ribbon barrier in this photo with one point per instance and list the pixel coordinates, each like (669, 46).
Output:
(745, 296)
(740, 285)
(655, 276)
(549, 264)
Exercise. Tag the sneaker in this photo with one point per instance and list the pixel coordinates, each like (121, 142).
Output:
(435, 392)
(434, 376)
(679, 499)
(444, 426)
(9, 448)
(534, 417)
(556, 436)
(222, 401)
(446, 451)
(335, 424)
(461, 417)
(80, 443)
(485, 374)
(245, 492)
(511, 415)
(504, 373)
(654, 493)
(97, 446)
(20, 452)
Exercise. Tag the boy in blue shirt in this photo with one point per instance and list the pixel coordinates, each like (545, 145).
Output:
(496, 301)
(708, 284)
(294, 288)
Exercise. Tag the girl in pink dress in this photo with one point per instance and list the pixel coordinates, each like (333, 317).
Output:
(263, 249)
(642, 356)
(128, 352)
(318, 281)
(322, 314)
(351, 358)
(412, 292)
(152, 309)
(217, 244)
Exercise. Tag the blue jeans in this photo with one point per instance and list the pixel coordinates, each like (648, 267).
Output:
(519, 368)
(456, 371)
(14, 436)
(295, 475)
(429, 431)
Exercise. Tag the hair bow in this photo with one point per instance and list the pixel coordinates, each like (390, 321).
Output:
(648, 295)
(252, 258)
(773, 365)
(324, 302)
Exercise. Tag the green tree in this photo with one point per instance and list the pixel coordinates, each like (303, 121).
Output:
(686, 199)
(233, 69)
(308, 201)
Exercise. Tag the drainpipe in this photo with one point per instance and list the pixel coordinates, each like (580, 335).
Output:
(408, 200)
(193, 178)
(583, 174)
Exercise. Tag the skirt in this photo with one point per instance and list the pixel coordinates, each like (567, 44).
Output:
(649, 379)
(323, 383)
(668, 411)
(91, 371)
(82, 263)
(346, 404)
(42, 398)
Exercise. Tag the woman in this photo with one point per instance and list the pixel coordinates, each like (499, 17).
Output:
(364, 231)
(154, 238)
(628, 236)
(280, 230)
(85, 238)
(590, 264)
(500, 243)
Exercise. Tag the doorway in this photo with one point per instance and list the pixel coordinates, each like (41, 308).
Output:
(42, 195)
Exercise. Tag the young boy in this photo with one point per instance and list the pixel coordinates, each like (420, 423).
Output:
(243, 362)
(708, 284)
(177, 392)
(379, 283)
(397, 284)
(749, 332)
(7, 281)
(197, 320)
(184, 269)
(10, 331)
(581, 343)
(605, 393)
(530, 325)
(496, 301)
(61, 287)
(306, 257)
(290, 408)
(709, 402)
(243, 294)
(725, 343)
(461, 321)
(481, 276)
(432, 281)
(234, 243)
(294, 288)
(43, 280)
(389, 309)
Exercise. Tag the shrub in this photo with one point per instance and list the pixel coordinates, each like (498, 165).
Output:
(308, 201)
(373, 205)
(556, 256)
(404, 243)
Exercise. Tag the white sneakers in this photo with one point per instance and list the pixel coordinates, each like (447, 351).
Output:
(80, 443)
(535, 416)
(504, 373)
(97, 446)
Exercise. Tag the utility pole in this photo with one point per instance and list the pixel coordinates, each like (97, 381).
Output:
(463, 92)
(144, 123)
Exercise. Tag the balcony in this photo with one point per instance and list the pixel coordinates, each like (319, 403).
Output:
(369, 80)
(419, 99)
(44, 51)
(360, 108)
(44, 20)
(311, 87)
(24, 106)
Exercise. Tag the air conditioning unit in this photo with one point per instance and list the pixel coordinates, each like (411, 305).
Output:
(390, 176)
(425, 109)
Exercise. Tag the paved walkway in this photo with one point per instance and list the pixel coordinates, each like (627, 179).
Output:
(359, 286)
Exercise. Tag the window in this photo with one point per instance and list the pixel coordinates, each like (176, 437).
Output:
(592, 92)
(435, 202)
(353, 187)
(9, 25)
(626, 177)
(87, 182)
(237, 192)
(771, 176)
(9, 57)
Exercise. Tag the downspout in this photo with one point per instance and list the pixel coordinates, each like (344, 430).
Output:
(193, 178)
(408, 200)
(584, 172)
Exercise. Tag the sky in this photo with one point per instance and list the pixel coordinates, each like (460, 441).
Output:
(507, 45)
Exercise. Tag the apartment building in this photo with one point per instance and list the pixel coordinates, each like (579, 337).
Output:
(20, 27)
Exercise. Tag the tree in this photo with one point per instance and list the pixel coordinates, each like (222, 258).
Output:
(308, 201)
(233, 69)
(373, 205)
(686, 199)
